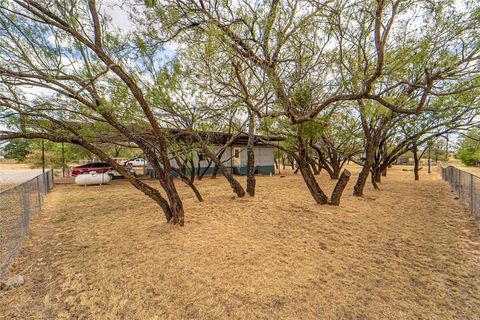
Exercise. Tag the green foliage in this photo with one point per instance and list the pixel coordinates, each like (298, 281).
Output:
(150, 3)
(310, 129)
(53, 154)
(469, 156)
(302, 97)
(17, 149)
(469, 152)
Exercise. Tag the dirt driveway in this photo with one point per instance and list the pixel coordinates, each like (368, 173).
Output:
(17, 176)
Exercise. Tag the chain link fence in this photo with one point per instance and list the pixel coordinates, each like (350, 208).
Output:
(466, 185)
(17, 204)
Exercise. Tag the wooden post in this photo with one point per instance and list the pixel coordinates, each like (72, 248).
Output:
(144, 164)
(63, 160)
(429, 150)
(472, 203)
(43, 156)
(446, 149)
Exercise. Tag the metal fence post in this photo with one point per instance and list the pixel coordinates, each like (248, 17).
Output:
(26, 208)
(39, 193)
(472, 204)
(45, 183)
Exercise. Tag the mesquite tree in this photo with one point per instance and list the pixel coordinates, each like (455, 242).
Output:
(414, 133)
(469, 151)
(312, 55)
(374, 122)
(193, 111)
(84, 72)
(223, 78)
(338, 141)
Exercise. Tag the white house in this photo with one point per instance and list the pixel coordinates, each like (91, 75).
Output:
(234, 157)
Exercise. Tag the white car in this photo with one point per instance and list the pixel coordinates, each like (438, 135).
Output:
(114, 174)
(137, 162)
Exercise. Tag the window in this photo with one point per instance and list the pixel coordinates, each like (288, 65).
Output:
(202, 156)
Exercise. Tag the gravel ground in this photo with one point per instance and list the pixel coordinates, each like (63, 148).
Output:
(17, 176)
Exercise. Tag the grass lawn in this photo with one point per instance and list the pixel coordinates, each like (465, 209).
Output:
(407, 251)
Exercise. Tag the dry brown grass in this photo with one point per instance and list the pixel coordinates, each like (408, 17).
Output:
(9, 165)
(407, 251)
(5, 186)
(457, 163)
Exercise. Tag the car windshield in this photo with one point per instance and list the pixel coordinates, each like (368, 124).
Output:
(99, 165)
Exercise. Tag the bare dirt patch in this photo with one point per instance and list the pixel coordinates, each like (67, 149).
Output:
(407, 251)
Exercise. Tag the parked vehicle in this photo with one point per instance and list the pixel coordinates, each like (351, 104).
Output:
(98, 167)
(137, 162)
(114, 174)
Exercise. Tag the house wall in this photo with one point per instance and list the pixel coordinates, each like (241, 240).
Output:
(264, 160)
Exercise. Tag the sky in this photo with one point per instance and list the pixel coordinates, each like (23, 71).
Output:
(120, 21)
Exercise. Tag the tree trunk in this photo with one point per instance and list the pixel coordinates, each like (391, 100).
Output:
(384, 172)
(215, 171)
(193, 187)
(173, 209)
(335, 163)
(176, 205)
(200, 175)
(192, 170)
(374, 178)
(378, 175)
(250, 172)
(339, 187)
(182, 172)
(166, 180)
(336, 171)
(236, 186)
(216, 168)
(177, 211)
(323, 163)
(373, 134)
(117, 151)
(195, 190)
(415, 163)
(362, 177)
(316, 168)
(292, 163)
(251, 157)
(296, 170)
(307, 174)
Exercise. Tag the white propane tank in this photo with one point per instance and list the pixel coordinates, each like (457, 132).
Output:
(91, 178)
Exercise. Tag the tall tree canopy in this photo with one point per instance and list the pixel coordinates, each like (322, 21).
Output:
(386, 69)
